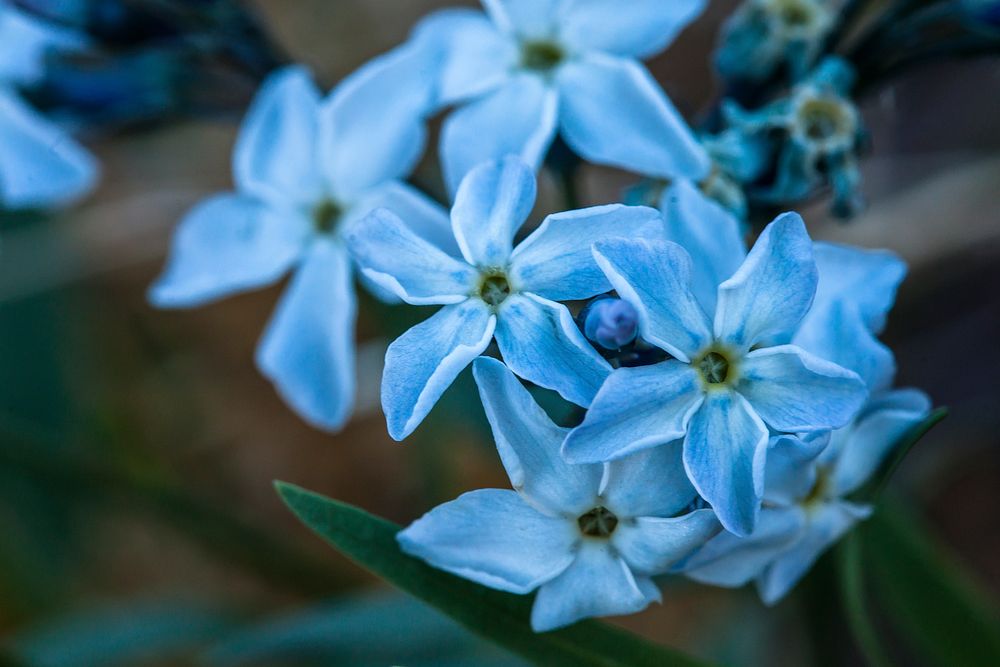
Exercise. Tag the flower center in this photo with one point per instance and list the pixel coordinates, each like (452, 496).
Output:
(795, 14)
(598, 522)
(325, 216)
(714, 368)
(819, 491)
(541, 55)
(494, 289)
(823, 119)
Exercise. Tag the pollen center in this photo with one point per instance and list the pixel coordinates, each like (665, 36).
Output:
(714, 368)
(823, 119)
(598, 522)
(325, 216)
(494, 289)
(541, 56)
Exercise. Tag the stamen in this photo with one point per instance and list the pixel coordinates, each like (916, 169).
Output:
(714, 368)
(598, 522)
(325, 216)
(494, 289)
(541, 56)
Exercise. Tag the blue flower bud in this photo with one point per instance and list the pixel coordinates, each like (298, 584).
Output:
(611, 323)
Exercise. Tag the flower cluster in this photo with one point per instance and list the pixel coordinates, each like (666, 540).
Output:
(733, 399)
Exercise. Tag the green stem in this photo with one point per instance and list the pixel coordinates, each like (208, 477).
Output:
(852, 596)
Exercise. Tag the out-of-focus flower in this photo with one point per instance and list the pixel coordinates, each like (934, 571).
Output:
(801, 142)
(531, 68)
(807, 505)
(588, 537)
(765, 37)
(729, 381)
(40, 163)
(305, 169)
(492, 290)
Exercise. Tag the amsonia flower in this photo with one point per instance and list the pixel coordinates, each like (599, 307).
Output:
(765, 37)
(40, 163)
(811, 138)
(730, 379)
(588, 537)
(528, 69)
(305, 169)
(492, 290)
(808, 501)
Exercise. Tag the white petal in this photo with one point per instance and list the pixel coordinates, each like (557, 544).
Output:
(650, 545)
(644, 29)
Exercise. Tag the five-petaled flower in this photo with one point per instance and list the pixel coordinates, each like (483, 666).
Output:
(588, 537)
(730, 379)
(492, 290)
(531, 68)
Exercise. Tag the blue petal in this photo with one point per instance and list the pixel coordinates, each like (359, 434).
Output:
(40, 164)
(796, 392)
(867, 442)
(764, 301)
(494, 538)
(518, 118)
(556, 262)
(308, 348)
(655, 277)
(709, 233)
(598, 583)
(613, 112)
(424, 216)
(525, 18)
(865, 278)
(635, 409)
(228, 244)
(652, 482)
(424, 361)
(790, 473)
(25, 42)
(393, 257)
(825, 526)
(541, 343)
(372, 129)
(529, 443)
(732, 561)
(644, 29)
(275, 155)
(492, 203)
(475, 56)
(650, 545)
(724, 453)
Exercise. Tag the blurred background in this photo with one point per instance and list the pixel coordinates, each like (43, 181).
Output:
(138, 523)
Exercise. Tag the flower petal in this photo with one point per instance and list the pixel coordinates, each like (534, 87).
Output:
(41, 165)
(790, 473)
(275, 156)
(371, 128)
(494, 538)
(825, 526)
(492, 203)
(308, 347)
(393, 257)
(724, 453)
(710, 234)
(227, 244)
(541, 343)
(867, 442)
(655, 277)
(424, 361)
(529, 444)
(866, 278)
(556, 261)
(518, 118)
(652, 482)
(650, 545)
(646, 28)
(424, 216)
(635, 409)
(613, 112)
(764, 301)
(732, 561)
(26, 41)
(796, 392)
(525, 18)
(598, 583)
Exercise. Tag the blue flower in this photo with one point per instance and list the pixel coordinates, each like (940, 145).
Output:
(492, 289)
(767, 37)
(588, 537)
(305, 169)
(729, 380)
(531, 68)
(40, 164)
(809, 482)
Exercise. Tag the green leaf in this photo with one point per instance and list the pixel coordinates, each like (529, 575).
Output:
(501, 617)
(850, 570)
(929, 598)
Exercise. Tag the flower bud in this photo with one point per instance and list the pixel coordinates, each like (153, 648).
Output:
(611, 323)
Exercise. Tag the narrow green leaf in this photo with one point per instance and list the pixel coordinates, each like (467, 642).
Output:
(930, 599)
(500, 617)
(850, 571)
(870, 491)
